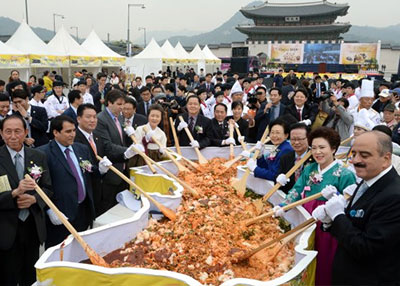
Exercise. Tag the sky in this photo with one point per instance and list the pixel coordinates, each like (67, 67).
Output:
(110, 16)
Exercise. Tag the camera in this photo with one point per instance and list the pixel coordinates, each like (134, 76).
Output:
(252, 98)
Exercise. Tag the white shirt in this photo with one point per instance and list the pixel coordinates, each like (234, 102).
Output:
(372, 181)
(353, 102)
(88, 98)
(87, 135)
(52, 105)
(36, 103)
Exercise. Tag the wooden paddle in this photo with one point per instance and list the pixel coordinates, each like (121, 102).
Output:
(295, 231)
(240, 185)
(240, 135)
(285, 208)
(147, 162)
(183, 183)
(231, 147)
(180, 167)
(177, 146)
(166, 211)
(230, 163)
(288, 175)
(202, 159)
(94, 257)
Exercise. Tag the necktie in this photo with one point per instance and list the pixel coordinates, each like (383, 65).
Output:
(118, 126)
(128, 122)
(81, 192)
(19, 167)
(318, 90)
(361, 190)
(191, 123)
(147, 107)
(91, 142)
(297, 173)
(299, 113)
(272, 116)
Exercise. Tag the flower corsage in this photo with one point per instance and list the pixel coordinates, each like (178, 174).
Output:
(273, 154)
(199, 129)
(315, 178)
(86, 166)
(35, 172)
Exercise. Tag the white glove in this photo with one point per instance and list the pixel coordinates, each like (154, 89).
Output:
(149, 135)
(236, 125)
(278, 211)
(350, 190)
(195, 144)
(229, 141)
(182, 125)
(320, 214)
(329, 191)
(245, 154)
(251, 164)
(130, 152)
(129, 130)
(335, 206)
(241, 138)
(282, 180)
(161, 150)
(306, 122)
(259, 146)
(54, 218)
(104, 165)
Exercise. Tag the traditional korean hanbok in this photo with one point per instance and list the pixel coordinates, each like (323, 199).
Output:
(312, 181)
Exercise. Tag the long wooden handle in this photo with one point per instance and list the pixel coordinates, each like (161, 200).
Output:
(190, 162)
(231, 147)
(202, 159)
(172, 158)
(166, 211)
(301, 227)
(178, 147)
(93, 256)
(147, 162)
(285, 208)
(183, 183)
(288, 175)
(244, 146)
(263, 137)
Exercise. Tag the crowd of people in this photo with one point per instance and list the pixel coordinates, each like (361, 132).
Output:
(57, 138)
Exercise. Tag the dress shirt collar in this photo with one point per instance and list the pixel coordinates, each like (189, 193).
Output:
(87, 135)
(63, 148)
(111, 114)
(321, 172)
(74, 109)
(372, 181)
(13, 152)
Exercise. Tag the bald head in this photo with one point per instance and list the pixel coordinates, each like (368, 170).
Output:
(371, 154)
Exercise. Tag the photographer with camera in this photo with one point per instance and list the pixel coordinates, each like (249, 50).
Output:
(338, 119)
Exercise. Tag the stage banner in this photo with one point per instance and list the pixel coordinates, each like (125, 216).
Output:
(321, 53)
(360, 54)
(287, 53)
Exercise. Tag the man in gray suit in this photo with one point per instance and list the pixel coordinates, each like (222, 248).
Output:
(109, 128)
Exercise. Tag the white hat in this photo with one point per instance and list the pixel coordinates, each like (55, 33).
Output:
(363, 121)
(75, 81)
(367, 88)
(236, 88)
(385, 93)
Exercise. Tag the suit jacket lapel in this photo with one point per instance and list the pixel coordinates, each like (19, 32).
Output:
(6, 161)
(60, 156)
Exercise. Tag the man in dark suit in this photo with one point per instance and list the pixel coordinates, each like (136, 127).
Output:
(219, 126)
(131, 118)
(86, 135)
(300, 109)
(143, 107)
(34, 116)
(199, 126)
(269, 111)
(75, 99)
(298, 140)
(98, 91)
(368, 228)
(22, 219)
(318, 87)
(110, 130)
(70, 166)
(208, 85)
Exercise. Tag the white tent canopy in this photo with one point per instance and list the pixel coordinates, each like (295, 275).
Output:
(181, 52)
(209, 55)
(169, 51)
(148, 61)
(96, 46)
(11, 58)
(199, 56)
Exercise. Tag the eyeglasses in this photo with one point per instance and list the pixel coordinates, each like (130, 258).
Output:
(298, 139)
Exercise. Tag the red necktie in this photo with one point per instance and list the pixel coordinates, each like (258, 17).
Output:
(299, 113)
